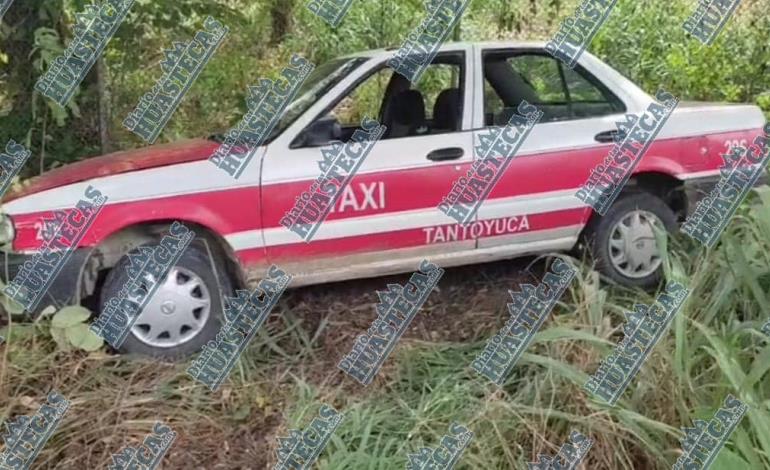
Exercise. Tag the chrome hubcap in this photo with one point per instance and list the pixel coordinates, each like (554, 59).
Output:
(632, 245)
(176, 312)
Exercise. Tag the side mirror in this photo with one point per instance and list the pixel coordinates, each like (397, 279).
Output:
(320, 132)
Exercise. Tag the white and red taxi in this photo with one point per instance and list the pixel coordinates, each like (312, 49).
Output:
(386, 220)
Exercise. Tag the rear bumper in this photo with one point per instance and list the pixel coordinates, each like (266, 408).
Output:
(65, 287)
(697, 188)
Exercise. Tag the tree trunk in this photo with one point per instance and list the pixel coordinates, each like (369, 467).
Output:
(105, 108)
(280, 17)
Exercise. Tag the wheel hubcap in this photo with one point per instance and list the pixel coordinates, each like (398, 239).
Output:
(168, 307)
(176, 312)
(632, 245)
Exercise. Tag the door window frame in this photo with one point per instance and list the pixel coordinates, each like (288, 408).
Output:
(366, 71)
(482, 52)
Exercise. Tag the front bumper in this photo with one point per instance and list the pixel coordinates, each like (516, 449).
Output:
(697, 188)
(65, 288)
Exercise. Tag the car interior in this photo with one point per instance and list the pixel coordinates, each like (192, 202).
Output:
(560, 92)
(403, 108)
(435, 105)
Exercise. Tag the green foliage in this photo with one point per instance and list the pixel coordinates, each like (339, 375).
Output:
(9, 305)
(643, 40)
(713, 348)
(69, 328)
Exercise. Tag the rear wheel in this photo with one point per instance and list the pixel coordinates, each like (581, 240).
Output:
(623, 240)
(185, 311)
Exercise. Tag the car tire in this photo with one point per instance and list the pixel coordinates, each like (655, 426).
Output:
(622, 241)
(172, 309)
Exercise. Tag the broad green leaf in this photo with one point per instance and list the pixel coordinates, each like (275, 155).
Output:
(93, 342)
(76, 334)
(83, 338)
(70, 316)
(11, 306)
(60, 338)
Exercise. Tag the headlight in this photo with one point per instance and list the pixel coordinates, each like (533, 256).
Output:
(7, 232)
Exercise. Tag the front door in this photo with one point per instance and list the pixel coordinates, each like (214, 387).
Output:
(387, 214)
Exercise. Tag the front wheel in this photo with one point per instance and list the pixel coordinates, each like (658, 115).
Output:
(183, 314)
(623, 242)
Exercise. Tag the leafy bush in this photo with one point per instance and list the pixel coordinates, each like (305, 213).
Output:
(643, 40)
(70, 328)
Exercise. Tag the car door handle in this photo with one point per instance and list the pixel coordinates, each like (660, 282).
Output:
(449, 153)
(606, 136)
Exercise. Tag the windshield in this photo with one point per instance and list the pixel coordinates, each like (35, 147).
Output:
(320, 81)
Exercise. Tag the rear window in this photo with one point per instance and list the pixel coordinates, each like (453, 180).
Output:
(560, 92)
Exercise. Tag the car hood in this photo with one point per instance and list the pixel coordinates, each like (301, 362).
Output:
(116, 163)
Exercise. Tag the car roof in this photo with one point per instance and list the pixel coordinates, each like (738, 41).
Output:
(387, 52)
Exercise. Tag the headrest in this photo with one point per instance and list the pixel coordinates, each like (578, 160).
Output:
(447, 110)
(409, 108)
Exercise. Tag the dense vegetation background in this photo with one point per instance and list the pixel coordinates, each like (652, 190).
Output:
(643, 40)
(713, 348)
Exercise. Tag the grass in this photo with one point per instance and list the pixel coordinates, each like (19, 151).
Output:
(712, 349)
